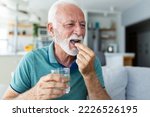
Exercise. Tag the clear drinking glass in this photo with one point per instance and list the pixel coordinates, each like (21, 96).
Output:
(65, 72)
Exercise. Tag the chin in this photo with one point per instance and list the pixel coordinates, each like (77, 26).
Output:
(72, 53)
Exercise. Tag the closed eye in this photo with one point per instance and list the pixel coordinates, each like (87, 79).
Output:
(82, 25)
(69, 25)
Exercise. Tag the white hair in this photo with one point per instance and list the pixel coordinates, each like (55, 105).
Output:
(53, 9)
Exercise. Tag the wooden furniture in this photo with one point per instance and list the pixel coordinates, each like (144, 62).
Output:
(119, 59)
(128, 60)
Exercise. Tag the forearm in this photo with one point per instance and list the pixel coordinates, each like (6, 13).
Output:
(28, 95)
(95, 90)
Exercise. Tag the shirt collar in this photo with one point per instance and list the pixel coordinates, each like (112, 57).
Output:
(74, 65)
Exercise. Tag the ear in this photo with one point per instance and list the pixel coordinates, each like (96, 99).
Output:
(50, 29)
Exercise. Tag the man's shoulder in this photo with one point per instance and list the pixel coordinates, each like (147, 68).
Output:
(40, 51)
(36, 54)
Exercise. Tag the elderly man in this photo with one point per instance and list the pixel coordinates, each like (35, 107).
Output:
(32, 78)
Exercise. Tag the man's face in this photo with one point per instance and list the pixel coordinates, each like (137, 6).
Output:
(69, 28)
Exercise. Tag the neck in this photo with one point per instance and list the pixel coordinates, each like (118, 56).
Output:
(62, 57)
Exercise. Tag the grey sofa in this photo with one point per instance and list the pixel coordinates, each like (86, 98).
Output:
(127, 83)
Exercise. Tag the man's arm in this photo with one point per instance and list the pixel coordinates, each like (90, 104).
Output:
(49, 87)
(95, 90)
(13, 95)
(85, 61)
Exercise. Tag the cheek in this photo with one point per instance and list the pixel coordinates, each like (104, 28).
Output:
(66, 34)
(63, 33)
(83, 32)
(57, 34)
(57, 31)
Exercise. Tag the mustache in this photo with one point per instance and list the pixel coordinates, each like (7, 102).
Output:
(75, 37)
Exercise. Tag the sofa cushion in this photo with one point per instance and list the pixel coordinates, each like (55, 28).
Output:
(115, 80)
(138, 87)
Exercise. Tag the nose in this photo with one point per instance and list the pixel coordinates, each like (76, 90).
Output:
(78, 30)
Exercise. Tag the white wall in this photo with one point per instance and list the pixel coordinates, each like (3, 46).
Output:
(121, 35)
(137, 13)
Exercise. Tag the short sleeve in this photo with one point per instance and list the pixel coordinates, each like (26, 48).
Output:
(21, 80)
(98, 70)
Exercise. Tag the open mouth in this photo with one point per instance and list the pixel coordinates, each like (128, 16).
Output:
(72, 43)
(75, 41)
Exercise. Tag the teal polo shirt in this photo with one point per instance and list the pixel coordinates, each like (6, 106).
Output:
(40, 62)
